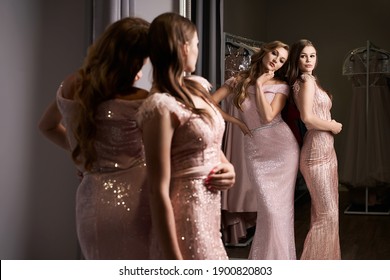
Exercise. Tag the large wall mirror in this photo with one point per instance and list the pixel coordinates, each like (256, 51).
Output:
(336, 28)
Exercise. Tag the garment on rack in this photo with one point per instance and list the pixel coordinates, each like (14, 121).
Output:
(238, 52)
(357, 60)
(239, 204)
(367, 152)
(237, 58)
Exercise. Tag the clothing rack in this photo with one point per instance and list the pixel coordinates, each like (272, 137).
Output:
(364, 54)
(246, 45)
(241, 41)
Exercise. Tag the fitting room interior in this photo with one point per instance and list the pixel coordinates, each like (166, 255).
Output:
(47, 40)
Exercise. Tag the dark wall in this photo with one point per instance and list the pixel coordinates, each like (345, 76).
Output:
(41, 42)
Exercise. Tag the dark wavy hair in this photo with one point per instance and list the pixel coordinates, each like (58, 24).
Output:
(293, 72)
(109, 69)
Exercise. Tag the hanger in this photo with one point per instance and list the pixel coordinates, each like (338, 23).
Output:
(360, 54)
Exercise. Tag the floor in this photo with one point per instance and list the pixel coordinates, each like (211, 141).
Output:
(362, 236)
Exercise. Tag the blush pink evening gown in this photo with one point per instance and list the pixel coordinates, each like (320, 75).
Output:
(318, 165)
(112, 209)
(195, 151)
(272, 156)
(239, 203)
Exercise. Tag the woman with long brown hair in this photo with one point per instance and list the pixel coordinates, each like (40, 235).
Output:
(318, 161)
(271, 151)
(182, 132)
(93, 118)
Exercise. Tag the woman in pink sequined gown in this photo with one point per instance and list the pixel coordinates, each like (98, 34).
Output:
(271, 150)
(318, 162)
(182, 132)
(93, 117)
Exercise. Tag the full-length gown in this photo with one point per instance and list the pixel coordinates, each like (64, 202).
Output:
(239, 203)
(366, 160)
(195, 151)
(112, 208)
(318, 165)
(272, 156)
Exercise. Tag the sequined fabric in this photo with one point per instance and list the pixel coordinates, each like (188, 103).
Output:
(272, 156)
(318, 165)
(195, 151)
(112, 210)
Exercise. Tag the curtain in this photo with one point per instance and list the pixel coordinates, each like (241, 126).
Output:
(208, 17)
(105, 12)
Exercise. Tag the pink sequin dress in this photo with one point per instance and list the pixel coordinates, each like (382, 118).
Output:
(318, 165)
(112, 209)
(272, 156)
(195, 151)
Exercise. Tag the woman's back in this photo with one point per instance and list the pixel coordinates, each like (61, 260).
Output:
(112, 210)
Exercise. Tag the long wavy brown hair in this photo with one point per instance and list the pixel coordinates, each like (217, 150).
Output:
(109, 69)
(293, 72)
(167, 33)
(248, 77)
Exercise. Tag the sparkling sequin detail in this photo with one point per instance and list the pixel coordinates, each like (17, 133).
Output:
(112, 209)
(195, 151)
(318, 165)
(271, 158)
(119, 193)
